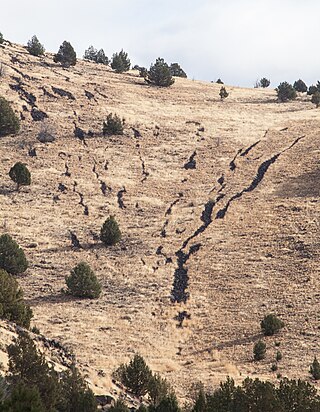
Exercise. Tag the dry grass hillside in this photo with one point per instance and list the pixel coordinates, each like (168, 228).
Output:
(221, 195)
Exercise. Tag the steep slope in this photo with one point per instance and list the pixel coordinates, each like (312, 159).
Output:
(217, 202)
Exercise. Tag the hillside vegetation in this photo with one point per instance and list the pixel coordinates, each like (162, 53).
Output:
(218, 206)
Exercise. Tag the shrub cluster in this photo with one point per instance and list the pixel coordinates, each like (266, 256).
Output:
(223, 93)
(177, 71)
(271, 324)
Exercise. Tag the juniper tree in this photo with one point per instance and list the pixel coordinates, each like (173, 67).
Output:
(83, 282)
(28, 367)
(271, 324)
(34, 47)
(312, 89)
(90, 54)
(120, 62)
(23, 398)
(9, 122)
(300, 86)
(112, 126)
(315, 99)
(12, 257)
(285, 92)
(110, 233)
(223, 93)
(66, 55)
(315, 369)
(135, 376)
(12, 305)
(1, 38)
(20, 174)
(259, 350)
(264, 82)
(177, 71)
(101, 57)
(159, 74)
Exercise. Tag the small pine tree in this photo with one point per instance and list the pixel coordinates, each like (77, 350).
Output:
(159, 74)
(312, 89)
(12, 257)
(285, 92)
(12, 306)
(20, 174)
(315, 369)
(28, 367)
(300, 86)
(34, 47)
(1, 38)
(177, 71)
(135, 376)
(278, 356)
(223, 93)
(75, 393)
(259, 350)
(66, 55)
(158, 389)
(83, 282)
(90, 54)
(143, 72)
(168, 404)
(112, 126)
(264, 82)
(120, 62)
(24, 398)
(110, 233)
(315, 99)
(271, 324)
(9, 122)
(101, 57)
(219, 81)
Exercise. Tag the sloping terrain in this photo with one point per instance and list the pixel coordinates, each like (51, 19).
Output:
(217, 203)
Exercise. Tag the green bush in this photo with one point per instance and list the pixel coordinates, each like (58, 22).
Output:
(83, 282)
(12, 257)
(219, 81)
(112, 126)
(223, 93)
(110, 233)
(20, 174)
(34, 47)
(177, 71)
(135, 376)
(1, 38)
(259, 350)
(12, 306)
(168, 404)
(66, 55)
(300, 86)
(315, 99)
(278, 356)
(315, 369)
(285, 92)
(271, 324)
(120, 62)
(9, 122)
(159, 74)
(143, 72)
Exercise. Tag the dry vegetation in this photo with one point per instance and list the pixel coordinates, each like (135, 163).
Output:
(261, 257)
